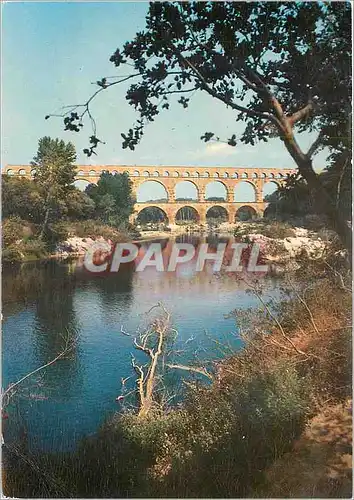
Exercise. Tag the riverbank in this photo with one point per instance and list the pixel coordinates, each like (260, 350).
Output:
(22, 241)
(282, 245)
(287, 247)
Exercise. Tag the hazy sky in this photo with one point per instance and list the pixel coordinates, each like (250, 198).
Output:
(52, 52)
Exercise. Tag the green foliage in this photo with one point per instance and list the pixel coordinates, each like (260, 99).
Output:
(11, 254)
(79, 206)
(20, 241)
(295, 198)
(33, 249)
(22, 198)
(54, 233)
(113, 198)
(25, 199)
(218, 445)
(54, 166)
(25, 250)
(92, 228)
(54, 174)
(223, 49)
(12, 230)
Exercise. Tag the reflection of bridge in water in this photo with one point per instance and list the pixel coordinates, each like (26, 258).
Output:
(200, 177)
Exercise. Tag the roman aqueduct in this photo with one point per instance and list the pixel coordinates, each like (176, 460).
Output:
(171, 176)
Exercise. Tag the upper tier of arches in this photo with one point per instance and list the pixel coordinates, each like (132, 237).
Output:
(174, 172)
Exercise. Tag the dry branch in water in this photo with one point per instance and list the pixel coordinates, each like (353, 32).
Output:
(69, 344)
(152, 343)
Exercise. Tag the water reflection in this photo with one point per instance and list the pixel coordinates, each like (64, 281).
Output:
(43, 301)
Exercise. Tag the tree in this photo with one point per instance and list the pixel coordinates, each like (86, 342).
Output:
(295, 198)
(113, 197)
(272, 63)
(79, 205)
(54, 174)
(22, 198)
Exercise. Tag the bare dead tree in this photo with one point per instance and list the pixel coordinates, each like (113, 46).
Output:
(155, 342)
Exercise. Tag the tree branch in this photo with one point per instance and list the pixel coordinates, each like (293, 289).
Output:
(315, 145)
(201, 371)
(301, 113)
(69, 345)
(213, 93)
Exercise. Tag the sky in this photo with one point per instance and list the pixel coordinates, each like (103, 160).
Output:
(51, 54)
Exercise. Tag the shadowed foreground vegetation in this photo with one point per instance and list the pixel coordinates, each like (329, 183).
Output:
(275, 421)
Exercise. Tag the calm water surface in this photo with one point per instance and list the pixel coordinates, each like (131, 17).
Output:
(41, 301)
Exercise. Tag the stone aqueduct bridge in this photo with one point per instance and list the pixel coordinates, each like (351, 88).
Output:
(169, 177)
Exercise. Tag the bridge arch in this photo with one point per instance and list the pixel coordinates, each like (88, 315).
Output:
(216, 190)
(246, 212)
(187, 214)
(151, 213)
(82, 184)
(245, 192)
(157, 187)
(269, 188)
(186, 190)
(217, 212)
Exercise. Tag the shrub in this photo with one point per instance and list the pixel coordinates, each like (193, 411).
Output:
(313, 222)
(93, 229)
(11, 254)
(55, 233)
(279, 230)
(34, 249)
(13, 230)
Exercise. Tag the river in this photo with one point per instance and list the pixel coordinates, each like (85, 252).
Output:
(44, 300)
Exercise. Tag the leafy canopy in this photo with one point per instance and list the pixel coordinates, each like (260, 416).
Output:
(113, 197)
(54, 166)
(271, 62)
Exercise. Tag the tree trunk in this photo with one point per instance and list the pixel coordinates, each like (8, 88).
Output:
(46, 218)
(324, 203)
